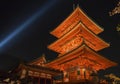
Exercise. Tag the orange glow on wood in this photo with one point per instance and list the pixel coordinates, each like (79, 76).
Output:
(75, 38)
(83, 56)
(77, 45)
(72, 20)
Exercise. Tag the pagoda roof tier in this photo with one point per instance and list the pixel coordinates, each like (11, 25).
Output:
(82, 56)
(75, 38)
(73, 19)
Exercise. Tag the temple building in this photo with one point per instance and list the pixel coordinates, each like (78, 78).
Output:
(77, 47)
(36, 73)
(78, 58)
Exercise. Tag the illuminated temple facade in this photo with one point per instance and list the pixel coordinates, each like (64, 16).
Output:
(77, 47)
(35, 72)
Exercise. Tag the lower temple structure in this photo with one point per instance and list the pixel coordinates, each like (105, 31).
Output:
(32, 74)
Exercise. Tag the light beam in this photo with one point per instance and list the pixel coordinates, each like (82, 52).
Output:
(27, 23)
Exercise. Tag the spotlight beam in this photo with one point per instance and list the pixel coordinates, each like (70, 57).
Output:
(27, 23)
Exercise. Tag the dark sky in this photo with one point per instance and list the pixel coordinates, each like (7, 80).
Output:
(33, 40)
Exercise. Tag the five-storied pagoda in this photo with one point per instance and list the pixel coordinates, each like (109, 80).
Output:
(78, 46)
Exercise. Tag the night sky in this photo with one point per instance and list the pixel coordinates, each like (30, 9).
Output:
(32, 36)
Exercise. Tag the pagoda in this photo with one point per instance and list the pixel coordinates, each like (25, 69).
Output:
(77, 47)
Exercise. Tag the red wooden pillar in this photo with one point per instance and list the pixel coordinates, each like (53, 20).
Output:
(39, 80)
(45, 80)
(51, 81)
(62, 77)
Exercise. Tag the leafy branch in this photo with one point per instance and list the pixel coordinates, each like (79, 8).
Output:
(118, 27)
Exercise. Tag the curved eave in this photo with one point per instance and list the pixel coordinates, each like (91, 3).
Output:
(105, 63)
(81, 17)
(66, 56)
(40, 69)
(83, 51)
(92, 40)
(64, 39)
(89, 22)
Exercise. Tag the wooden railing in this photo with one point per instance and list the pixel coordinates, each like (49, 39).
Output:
(79, 78)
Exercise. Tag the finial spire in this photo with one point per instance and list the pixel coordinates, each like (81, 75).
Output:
(75, 4)
(78, 5)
